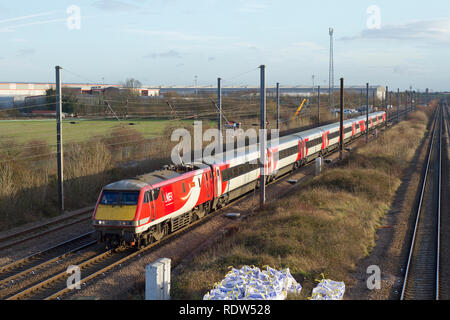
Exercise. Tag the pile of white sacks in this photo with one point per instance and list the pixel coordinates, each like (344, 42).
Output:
(251, 283)
(328, 290)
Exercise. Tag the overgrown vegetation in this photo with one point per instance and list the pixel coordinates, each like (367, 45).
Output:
(324, 227)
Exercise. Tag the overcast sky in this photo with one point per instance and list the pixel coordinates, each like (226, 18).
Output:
(398, 43)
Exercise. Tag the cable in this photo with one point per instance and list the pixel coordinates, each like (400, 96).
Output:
(81, 77)
(28, 107)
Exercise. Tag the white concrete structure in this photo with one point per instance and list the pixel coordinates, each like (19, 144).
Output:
(157, 280)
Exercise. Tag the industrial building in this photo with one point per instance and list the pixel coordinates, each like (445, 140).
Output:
(18, 93)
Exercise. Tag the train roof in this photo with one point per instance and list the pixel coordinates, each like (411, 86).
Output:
(309, 132)
(155, 177)
(286, 139)
(128, 184)
(250, 151)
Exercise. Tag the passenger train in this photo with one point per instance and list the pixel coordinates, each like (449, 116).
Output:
(139, 211)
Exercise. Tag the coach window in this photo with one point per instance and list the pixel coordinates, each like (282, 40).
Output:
(162, 196)
(184, 188)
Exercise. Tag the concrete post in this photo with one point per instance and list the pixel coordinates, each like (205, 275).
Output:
(219, 106)
(367, 113)
(59, 143)
(318, 105)
(341, 142)
(262, 135)
(278, 106)
(319, 165)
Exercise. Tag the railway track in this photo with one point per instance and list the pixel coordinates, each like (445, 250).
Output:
(55, 286)
(444, 261)
(28, 234)
(26, 272)
(422, 276)
(16, 269)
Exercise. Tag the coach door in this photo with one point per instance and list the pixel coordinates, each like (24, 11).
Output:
(217, 182)
(207, 183)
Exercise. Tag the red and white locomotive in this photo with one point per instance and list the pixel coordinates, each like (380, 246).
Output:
(144, 209)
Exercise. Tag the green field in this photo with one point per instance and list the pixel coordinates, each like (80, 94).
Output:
(23, 131)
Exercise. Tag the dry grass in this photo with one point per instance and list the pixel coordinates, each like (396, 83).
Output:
(326, 227)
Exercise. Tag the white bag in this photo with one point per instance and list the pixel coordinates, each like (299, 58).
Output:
(328, 290)
(251, 283)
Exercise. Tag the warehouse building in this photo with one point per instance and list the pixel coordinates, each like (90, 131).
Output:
(18, 93)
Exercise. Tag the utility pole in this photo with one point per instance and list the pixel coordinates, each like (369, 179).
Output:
(367, 113)
(262, 134)
(219, 106)
(59, 138)
(278, 106)
(331, 71)
(341, 142)
(387, 104)
(318, 105)
(373, 100)
(411, 97)
(398, 105)
(406, 103)
(196, 92)
(361, 101)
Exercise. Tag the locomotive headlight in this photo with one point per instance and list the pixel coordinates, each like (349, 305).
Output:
(127, 223)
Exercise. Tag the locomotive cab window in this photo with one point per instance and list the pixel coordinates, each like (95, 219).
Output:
(129, 198)
(110, 198)
(116, 198)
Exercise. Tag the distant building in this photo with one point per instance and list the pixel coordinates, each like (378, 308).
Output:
(304, 91)
(18, 93)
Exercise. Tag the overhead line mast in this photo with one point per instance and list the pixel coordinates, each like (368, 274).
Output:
(331, 71)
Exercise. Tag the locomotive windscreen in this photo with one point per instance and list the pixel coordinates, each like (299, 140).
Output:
(116, 198)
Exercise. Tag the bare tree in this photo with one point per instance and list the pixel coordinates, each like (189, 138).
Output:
(132, 83)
